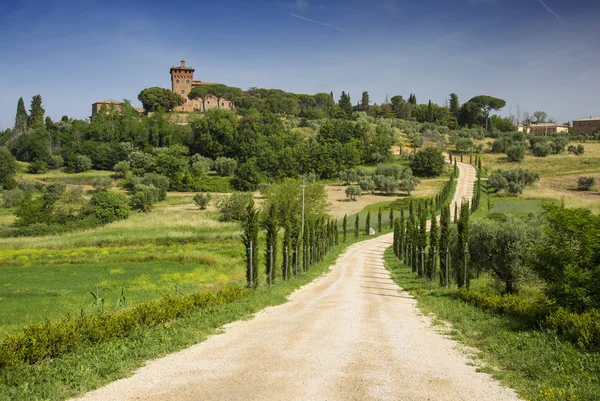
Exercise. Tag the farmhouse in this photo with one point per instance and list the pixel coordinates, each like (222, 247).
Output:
(586, 126)
(109, 106)
(548, 129)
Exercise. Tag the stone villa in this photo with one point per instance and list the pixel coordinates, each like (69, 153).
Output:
(586, 126)
(182, 82)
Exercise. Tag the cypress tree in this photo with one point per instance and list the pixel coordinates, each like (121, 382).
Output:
(345, 227)
(379, 216)
(402, 237)
(356, 224)
(368, 223)
(463, 240)
(433, 242)
(444, 241)
(479, 163)
(410, 241)
(287, 244)
(296, 245)
(306, 247)
(250, 227)
(395, 238)
(391, 217)
(20, 119)
(336, 232)
(270, 226)
(455, 212)
(36, 113)
(422, 238)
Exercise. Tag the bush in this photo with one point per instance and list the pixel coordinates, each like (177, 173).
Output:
(109, 206)
(586, 183)
(234, 207)
(428, 162)
(8, 168)
(247, 176)
(497, 181)
(567, 258)
(202, 200)
(37, 166)
(11, 198)
(225, 166)
(541, 149)
(512, 304)
(121, 169)
(514, 188)
(367, 184)
(144, 197)
(389, 170)
(55, 162)
(41, 341)
(353, 192)
(214, 184)
(160, 182)
(576, 150)
(102, 183)
(81, 164)
(388, 185)
(515, 153)
(200, 165)
(582, 329)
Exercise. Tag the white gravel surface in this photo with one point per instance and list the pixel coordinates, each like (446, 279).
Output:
(352, 334)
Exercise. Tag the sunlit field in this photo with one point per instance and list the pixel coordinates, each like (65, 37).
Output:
(175, 248)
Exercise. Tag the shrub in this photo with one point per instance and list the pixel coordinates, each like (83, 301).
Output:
(234, 207)
(582, 329)
(11, 198)
(247, 176)
(200, 165)
(144, 197)
(497, 181)
(567, 258)
(109, 206)
(55, 162)
(514, 188)
(541, 149)
(353, 192)
(388, 185)
(367, 184)
(121, 169)
(389, 170)
(576, 150)
(102, 183)
(214, 184)
(8, 167)
(586, 183)
(42, 341)
(160, 182)
(225, 166)
(202, 200)
(37, 166)
(409, 182)
(428, 162)
(515, 153)
(81, 164)
(512, 304)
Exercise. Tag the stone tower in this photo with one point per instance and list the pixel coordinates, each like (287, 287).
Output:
(182, 77)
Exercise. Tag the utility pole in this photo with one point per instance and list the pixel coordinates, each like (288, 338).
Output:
(447, 254)
(250, 253)
(465, 267)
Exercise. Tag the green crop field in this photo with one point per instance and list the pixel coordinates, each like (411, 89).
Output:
(175, 248)
(517, 206)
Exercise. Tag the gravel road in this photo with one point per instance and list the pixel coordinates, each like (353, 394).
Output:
(352, 334)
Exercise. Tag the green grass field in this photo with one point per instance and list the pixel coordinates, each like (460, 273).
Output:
(517, 206)
(176, 247)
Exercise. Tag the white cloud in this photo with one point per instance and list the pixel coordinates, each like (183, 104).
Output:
(317, 22)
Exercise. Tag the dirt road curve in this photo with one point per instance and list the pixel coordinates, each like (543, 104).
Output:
(350, 335)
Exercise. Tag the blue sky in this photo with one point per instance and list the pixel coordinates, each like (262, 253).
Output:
(536, 54)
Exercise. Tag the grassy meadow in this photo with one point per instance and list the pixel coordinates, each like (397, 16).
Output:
(175, 248)
(558, 175)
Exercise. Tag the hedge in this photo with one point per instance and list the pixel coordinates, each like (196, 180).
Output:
(211, 183)
(50, 339)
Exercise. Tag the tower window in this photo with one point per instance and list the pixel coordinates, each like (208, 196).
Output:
(182, 92)
(177, 81)
(187, 81)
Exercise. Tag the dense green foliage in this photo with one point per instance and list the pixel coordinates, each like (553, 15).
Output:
(109, 206)
(155, 99)
(428, 162)
(8, 168)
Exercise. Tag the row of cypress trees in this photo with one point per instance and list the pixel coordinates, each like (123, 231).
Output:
(440, 253)
(299, 251)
